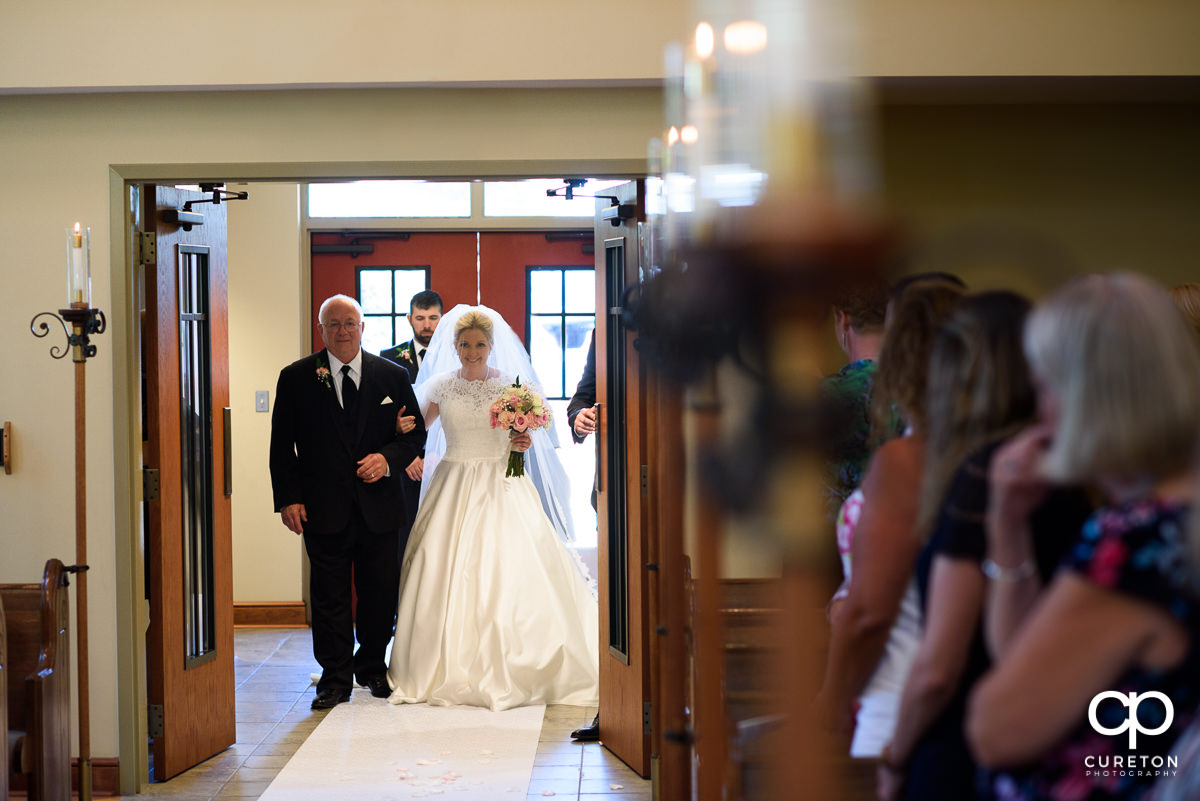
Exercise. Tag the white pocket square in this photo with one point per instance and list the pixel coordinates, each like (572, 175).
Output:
(385, 401)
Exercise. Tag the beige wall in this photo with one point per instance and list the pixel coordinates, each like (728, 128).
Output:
(352, 43)
(274, 43)
(1061, 186)
(265, 319)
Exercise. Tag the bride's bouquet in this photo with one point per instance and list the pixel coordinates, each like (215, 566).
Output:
(519, 408)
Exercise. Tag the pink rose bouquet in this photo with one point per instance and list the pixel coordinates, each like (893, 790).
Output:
(519, 408)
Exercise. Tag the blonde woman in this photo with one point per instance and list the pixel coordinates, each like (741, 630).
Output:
(494, 610)
(1118, 381)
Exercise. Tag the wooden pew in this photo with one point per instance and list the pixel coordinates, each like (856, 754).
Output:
(39, 684)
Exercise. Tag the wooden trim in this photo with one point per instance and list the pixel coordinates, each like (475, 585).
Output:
(276, 614)
(106, 778)
(709, 719)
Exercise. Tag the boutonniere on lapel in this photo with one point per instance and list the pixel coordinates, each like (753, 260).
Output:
(324, 376)
(405, 352)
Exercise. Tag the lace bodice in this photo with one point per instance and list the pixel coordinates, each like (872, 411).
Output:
(463, 412)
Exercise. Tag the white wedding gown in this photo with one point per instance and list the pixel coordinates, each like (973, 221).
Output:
(493, 610)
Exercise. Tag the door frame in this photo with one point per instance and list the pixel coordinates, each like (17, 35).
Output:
(129, 586)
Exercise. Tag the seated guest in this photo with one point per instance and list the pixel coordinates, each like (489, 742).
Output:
(1118, 381)
(978, 393)
(873, 630)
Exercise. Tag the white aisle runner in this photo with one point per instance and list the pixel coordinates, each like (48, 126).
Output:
(370, 750)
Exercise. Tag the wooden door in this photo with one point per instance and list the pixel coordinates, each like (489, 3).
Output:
(625, 712)
(189, 557)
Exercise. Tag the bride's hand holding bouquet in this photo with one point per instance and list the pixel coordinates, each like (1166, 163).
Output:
(518, 410)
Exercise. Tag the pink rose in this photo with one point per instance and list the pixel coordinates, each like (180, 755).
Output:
(520, 422)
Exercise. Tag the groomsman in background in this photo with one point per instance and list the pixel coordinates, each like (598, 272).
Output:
(333, 446)
(424, 312)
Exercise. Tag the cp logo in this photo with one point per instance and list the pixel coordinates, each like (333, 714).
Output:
(1131, 700)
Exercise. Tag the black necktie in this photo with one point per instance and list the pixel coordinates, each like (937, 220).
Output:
(349, 392)
(420, 355)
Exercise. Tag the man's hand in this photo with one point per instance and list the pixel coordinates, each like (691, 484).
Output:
(372, 467)
(405, 423)
(585, 421)
(415, 469)
(294, 517)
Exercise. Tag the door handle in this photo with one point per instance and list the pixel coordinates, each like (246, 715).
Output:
(599, 482)
(227, 415)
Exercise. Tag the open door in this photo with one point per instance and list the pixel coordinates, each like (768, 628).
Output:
(622, 462)
(189, 556)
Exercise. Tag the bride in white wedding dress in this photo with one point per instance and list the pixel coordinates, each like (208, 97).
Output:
(494, 610)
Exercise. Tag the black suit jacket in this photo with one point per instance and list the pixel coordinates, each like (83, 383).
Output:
(405, 355)
(315, 450)
(585, 390)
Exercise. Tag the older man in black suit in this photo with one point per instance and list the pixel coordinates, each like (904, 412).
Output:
(336, 461)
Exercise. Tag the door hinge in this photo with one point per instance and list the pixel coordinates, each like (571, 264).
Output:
(646, 728)
(147, 247)
(154, 720)
(645, 481)
(149, 483)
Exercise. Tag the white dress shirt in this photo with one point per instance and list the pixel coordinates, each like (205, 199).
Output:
(335, 367)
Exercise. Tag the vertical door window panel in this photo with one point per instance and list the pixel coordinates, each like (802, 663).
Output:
(384, 293)
(545, 351)
(546, 291)
(577, 336)
(196, 455)
(375, 292)
(580, 292)
(618, 544)
(557, 338)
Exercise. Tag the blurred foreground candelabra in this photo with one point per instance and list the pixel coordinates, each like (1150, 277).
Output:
(765, 209)
(79, 321)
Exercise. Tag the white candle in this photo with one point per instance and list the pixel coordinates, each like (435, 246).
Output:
(79, 274)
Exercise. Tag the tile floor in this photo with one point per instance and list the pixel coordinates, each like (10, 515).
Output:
(272, 669)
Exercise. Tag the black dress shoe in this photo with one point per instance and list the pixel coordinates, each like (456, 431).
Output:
(588, 734)
(378, 685)
(329, 698)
